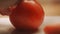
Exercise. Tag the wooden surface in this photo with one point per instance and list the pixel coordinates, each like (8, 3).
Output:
(7, 28)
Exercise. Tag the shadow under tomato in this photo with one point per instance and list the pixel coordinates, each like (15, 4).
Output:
(23, 32)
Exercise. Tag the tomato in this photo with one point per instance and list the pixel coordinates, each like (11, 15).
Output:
(52, 29)
(26, 15)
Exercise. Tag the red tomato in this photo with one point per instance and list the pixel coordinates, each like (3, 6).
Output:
(28, 14)
(52, 29)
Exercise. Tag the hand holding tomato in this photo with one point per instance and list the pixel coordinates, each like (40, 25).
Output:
(26, 15)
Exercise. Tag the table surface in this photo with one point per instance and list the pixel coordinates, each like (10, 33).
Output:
(7, 28)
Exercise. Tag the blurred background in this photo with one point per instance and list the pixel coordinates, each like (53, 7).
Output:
(50, 7)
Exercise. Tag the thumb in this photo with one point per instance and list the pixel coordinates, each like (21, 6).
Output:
(3, 11)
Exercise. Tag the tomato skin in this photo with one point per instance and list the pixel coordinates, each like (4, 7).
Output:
(52, 29)
(27, 15)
